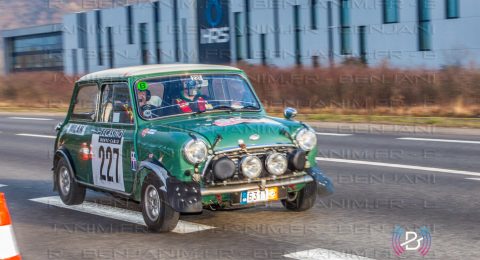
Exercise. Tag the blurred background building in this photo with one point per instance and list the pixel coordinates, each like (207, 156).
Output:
(34, 48)
(283, 33)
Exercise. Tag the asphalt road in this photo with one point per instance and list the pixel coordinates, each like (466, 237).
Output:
(381, 181)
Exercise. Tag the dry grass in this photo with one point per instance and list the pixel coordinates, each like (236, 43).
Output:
(472, 111)
(339, 91)
(36, 90)
(450, 92)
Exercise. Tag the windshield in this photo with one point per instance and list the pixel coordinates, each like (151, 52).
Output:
(195, 93)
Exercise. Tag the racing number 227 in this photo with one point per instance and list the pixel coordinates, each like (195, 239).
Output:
(108, 154)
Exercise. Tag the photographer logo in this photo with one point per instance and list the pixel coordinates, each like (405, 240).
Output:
(420, 240)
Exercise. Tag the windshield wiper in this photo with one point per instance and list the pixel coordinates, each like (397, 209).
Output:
(224, 107)
(220, 107)
(235, 109)
(199, 112)
(229, 108)
(250, 107)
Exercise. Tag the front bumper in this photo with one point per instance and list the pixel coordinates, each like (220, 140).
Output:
(185, 197)
(258, 185)
(325, 186)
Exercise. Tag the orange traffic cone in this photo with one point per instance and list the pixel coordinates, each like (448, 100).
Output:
(8, 245)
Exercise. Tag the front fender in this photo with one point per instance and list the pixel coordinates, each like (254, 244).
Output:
(181, 196)
(166, 147)
(324, 184)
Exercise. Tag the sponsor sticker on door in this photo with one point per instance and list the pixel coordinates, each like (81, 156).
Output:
(107, 159)
(76, 129)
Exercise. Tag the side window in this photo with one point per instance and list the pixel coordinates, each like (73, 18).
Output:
(85, 103)
(116, 106)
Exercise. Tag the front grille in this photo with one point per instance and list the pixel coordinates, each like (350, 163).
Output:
(236, 156)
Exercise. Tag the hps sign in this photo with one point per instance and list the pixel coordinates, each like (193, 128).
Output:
(213, 31)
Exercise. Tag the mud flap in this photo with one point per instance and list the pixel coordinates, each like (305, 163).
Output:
(184, 196)
(181, 196)
(324, 184)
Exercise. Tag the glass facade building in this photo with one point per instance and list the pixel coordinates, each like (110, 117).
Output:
(34, 49)
(424, 33)
(37, 53)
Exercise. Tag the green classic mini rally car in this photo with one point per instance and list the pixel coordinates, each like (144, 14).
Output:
(182, 137)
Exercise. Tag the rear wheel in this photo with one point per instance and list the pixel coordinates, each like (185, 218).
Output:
(158, 216)
(69, 190)
(301, 200)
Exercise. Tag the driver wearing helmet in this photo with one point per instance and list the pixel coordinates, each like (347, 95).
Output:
(191, 100)
(143, 97)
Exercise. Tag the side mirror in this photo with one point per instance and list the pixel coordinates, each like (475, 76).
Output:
(58, 127)
(289, 113)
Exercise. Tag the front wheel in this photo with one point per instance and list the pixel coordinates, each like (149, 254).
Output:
(69, 190)
(158, 216)
(301, 200)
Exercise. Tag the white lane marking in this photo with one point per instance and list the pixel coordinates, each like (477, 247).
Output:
(401, 166)
(439, 140)
(41, 136)
(3, 185)
(30, 118)
(323, 254)
(126, 215)
(473, 179)
(333, 134)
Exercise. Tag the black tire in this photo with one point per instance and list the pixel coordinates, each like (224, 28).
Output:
(302, 200)
(69, 190)
(166, 218)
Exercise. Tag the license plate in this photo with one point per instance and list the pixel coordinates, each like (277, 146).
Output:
(252, 196)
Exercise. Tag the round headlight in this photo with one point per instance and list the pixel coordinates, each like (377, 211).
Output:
(251, 166)
(276, 163)
(224, 168)
(195, 151)
(306, 139)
